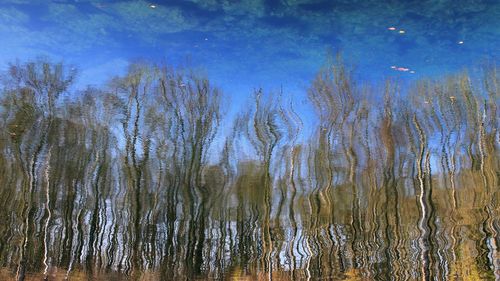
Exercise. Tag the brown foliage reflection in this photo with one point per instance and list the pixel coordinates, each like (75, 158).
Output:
(147, 179)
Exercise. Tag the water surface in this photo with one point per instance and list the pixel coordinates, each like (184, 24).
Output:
(223, 141)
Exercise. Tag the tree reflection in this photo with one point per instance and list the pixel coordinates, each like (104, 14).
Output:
(137, 179)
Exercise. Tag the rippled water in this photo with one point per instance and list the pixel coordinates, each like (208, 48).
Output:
(128, 182)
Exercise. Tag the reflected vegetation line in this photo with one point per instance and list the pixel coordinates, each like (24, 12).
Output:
(146, 178)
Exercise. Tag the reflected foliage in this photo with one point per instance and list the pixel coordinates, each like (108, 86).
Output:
(147, 179)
